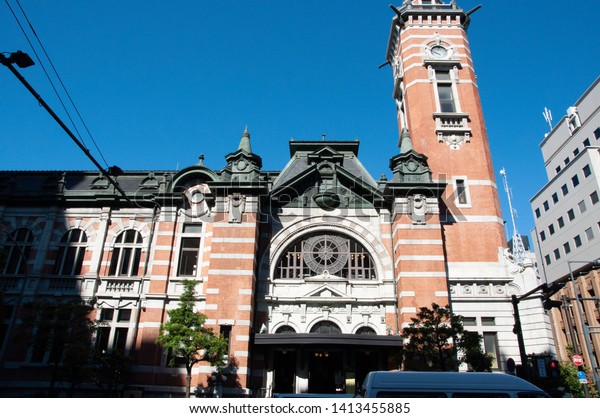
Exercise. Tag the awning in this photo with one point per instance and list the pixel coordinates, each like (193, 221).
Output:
(328, 339)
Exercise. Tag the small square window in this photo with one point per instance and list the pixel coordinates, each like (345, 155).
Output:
(582, 207)
(557, 254)
(555, 197)
(543, 235)
(557, 169)
(560, 222)
(594, 197)
(124, 315)
(589, 234)
(575, 152)
(565, 189)
(577, 241)
(567, 160)
(548, 260)
(571, 214)
(551, 229)
(469, 321)
(587, 170)
(546, 205)
(597, 133)
(488, 320)
(537, 212)
(567, 247)
(586, 142)
(575, 180)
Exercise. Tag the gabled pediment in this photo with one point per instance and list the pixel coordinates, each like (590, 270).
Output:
(325, 292)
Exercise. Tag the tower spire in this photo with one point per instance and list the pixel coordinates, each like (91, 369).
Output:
(245, 142)
(405, 142)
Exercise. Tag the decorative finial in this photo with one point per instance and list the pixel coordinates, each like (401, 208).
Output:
(405, 142)
(245, 142)
(201, 160)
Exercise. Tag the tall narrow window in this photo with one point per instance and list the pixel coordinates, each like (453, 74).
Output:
(113, 329)
(127, 254)
(445, 94)
(462, 197)
(490, 344)
(190, 250)
(71, 251)
(16, 252)
(225, 331)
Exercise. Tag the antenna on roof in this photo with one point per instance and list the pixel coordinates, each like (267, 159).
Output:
(548, 116)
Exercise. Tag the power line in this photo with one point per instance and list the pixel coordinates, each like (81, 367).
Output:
(57, 76)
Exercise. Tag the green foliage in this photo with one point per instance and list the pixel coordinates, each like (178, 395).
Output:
(64, 329)
(434, 339)
(186, 338)
(112, 371)
(570, 380)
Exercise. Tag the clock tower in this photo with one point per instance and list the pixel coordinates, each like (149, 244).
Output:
(440, 119)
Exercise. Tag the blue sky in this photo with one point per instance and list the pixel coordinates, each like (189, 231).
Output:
(159, 83)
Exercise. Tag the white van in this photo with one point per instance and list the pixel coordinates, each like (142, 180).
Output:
(399, 384)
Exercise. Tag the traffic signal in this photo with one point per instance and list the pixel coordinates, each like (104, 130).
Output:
(549, 303)
(547, 292)
(553, 369)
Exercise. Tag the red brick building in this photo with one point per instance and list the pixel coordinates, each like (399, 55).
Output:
(311, 271)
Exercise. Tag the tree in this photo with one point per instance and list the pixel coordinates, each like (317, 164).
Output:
(185, 337)
(61, 333)
(434, 339)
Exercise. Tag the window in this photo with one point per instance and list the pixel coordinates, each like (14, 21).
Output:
(490, 345)
(594, 197)
(565, 189)
(577, 241)
(461, 192)
(589, 234)
(190, 250)
(571, 214)
(567, 247)
(586, 142)
(557, 254)
(126, 255)
(113, 330)
(543, 235)
(325, 327)
(551, 229)
(575, 180)
(575, 152)
(285, 329)
(488, 321)
(548, 260)
(567, 160)
(557, 169)
(537, 212)
(469, 321)
(71, 251)
(444, 89)
(314, 254)
(546, 205)
(587, 170)
(597, 133)
(581, 206)
(16, 251)
(555, 197)
(225, 331)
(560, 222)
(368, 331)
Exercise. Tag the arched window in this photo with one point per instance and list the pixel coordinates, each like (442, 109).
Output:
(17, 250)
(71, 251)
(285, 329)
(126, 254)
(366, 331)
(316, 254)
(325, 327)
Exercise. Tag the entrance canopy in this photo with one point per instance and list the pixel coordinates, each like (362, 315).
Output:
(329, 339)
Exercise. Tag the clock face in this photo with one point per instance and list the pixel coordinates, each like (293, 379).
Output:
(439, 51)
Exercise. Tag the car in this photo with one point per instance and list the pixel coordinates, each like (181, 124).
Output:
(403, 384)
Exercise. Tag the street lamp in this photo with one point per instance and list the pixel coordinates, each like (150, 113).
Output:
(580, 308)
(22, 60)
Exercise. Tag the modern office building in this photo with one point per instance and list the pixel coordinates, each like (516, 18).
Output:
(567, 226)
(311, 271)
